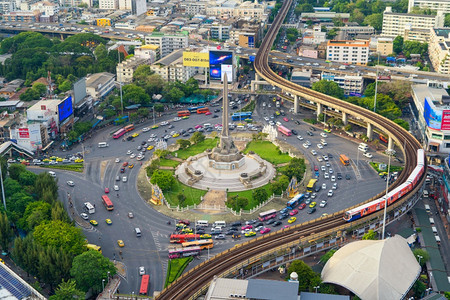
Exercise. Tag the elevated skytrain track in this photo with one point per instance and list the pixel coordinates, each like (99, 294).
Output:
(187, 285)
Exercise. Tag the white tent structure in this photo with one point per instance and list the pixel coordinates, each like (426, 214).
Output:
(374, 270)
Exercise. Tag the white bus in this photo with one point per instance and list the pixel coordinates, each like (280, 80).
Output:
(102, 145)
(363, 147)
(90, 208)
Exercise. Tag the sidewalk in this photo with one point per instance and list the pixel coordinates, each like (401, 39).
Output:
(110, 289)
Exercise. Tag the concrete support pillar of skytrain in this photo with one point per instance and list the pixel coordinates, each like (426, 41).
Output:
(390, 144)
(319, 109)
(296, 97)
(369, 131)
(344, 118)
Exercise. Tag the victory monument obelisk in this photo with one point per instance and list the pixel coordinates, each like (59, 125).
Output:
(226, 156)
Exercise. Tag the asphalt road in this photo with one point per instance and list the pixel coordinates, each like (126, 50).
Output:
(150, 250)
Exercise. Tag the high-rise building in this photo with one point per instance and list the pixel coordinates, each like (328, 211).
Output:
(167, 42)
(438, 5)
(124, 4)
(439, 50)
(394, 24)
(108, 4)
(138, 7)
(350, 52)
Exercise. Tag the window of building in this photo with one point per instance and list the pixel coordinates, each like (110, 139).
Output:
(436, 136)
(447, 145)
(446, 137)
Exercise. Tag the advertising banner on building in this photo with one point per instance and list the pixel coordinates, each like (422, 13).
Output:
(195, 59)
(445, 125)
(24, 133)
(432, 116)
(219, 62)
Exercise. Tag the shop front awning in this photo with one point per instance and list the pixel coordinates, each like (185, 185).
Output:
(49, 144)
(434, 144)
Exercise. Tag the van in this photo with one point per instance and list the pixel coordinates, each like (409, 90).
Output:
(363, 147)
(216, 229)
(53, 174)
(431, 221)
(138, 232)
(240, 127)
(206, 125)
(438, 239)
(425, 194)
(427, 208)
(102, 145)
(220, 224)
(202, 223)
(434, 229)
(89, 207)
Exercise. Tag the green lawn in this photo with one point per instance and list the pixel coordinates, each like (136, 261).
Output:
(175, 268)
(168, 162)
(192, 195)
(268, 151)
(248, 194)
(392, 168)
(196, 149)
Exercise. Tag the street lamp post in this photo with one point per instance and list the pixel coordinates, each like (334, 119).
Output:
(3, 189)
(389, 153)
(132, 295)
(108, 276)
(120, 83)
(420, 257)
(376, 86)
(103, 284)
(316, 288)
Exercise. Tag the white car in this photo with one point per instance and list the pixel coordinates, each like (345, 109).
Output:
(323, 134)
(145, 129)
(84, 216)
(334, 187)
(368, 155)
(324, 186)
(305, 145)
(308, 143)
(164, 123)
(325, 158)
(266, 119)
(152, 135)
(124, 179)
(333, 178)
(323, 203)
(129, 152)
(70, 183)
(319, 159)
(271, 123)
(320, 146)
(314, 152)
(133, 155)
(117, 160)
(141, 271)
(300, 137)
(313, 195)
(330, 193)
(324, 143)
(326, 175)
(323, 168)
(176, 119)
(330, 171)
(116, 187)
(140, 157)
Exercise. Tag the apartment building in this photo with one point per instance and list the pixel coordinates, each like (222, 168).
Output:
(438, 5)
(125, 5)
(45, 7)
(167, 42)
(385, 46)
(439, 50)
(22, 16)
(314, 36)
(150, 52)
(350, 52)
(220, 32)
(352, 85)
(7, 6)
(416, 34)
(193, 8)
(246, 9)
(324, 16)
(125, 70)
(171, 68)
(394, 24)
(108, 4)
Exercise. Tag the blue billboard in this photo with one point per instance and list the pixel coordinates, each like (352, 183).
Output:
(432, 116)
(65, 109)
(220, 62)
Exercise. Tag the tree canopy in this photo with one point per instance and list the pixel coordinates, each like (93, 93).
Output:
(330, 88)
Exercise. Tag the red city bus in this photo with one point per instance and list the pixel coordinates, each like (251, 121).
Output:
(129, 127)
(284, 130)
(145, 281)
(184, 113)
(119, 133)
(270, 214)
(203, 110)
(107, 203)
(182, 238)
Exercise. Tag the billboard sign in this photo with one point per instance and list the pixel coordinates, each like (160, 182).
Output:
(24, 133)
(65, 109)
(195, 59)
(219, 62)
(445, 125)
(79, 90)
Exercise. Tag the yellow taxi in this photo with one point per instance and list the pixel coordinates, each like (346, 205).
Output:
(108, 221)
(205, 236)
(150, 147)
(250, 233)
(292, 220)
(59, 159)
(312, 204)
(324, 215)
(155, 126)
(176, 135)
(93, 222)
(277, 113)
(79, 160)
(131, 166)
(120, 243)
(186, 230)
(135, 135)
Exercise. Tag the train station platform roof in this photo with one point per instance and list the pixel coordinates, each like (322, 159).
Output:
(384, 269)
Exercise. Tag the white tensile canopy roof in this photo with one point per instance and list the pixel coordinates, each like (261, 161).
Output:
(374, 269)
